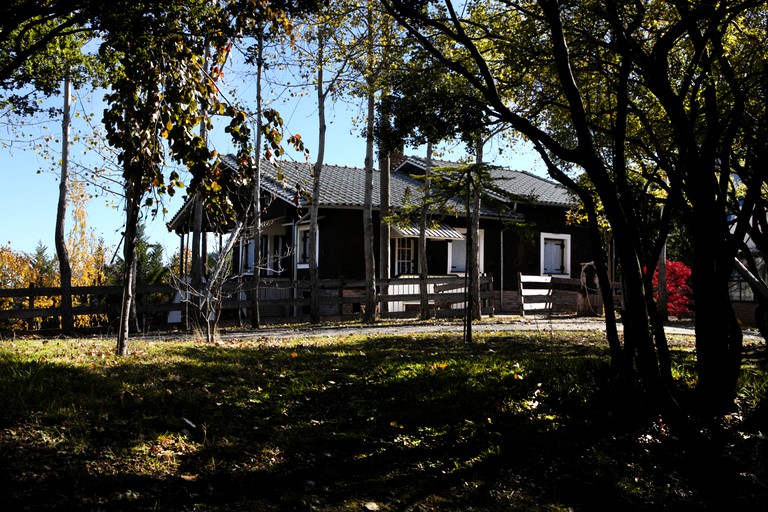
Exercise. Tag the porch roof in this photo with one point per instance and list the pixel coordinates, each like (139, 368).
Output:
(437, 232)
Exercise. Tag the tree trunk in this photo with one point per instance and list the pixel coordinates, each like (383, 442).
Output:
(602, 258)
(662, 301)
(606, 288)
(470, 261)
(255, 313)
(369, 313)
(135, 302)
(639, 351)
(65, 269)
(474, 257)
(133, 202)
(718, 335)
(473, 249)
(212, 291)
(257, 256)
(314, 276)
(424, 309)
(196, 265)
(384, 212)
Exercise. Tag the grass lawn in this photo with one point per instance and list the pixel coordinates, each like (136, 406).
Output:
(517, 421)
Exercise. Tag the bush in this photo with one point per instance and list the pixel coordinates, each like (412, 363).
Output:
(678, 289)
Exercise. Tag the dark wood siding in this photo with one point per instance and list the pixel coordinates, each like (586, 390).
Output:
(437, 256)
(522, 244)
(341, 244)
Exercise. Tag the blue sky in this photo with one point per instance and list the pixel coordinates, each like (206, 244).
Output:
(30, 193)
(28, 198)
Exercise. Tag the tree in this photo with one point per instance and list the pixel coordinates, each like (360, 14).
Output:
(322, 89)
(381, 51)
(38, 41)
(424, 313)
(43, 273)
(370, 71)
(323, 53)
(87, 254)
(65, 269)
(149, 268)
(160, 94)
(428, 105)
(42, 51)
(611, 87)
(486, 63)
(705, 75)
(157, 94)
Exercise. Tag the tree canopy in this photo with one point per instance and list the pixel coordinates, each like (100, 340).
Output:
(620, 89)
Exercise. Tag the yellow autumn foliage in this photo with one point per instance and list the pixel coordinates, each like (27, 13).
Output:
(87, 257)
(20, 270)
(87, 254)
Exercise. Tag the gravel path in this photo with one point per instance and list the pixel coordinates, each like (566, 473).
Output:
(497, 323)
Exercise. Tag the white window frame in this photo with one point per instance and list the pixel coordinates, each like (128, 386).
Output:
(566, 253)
(299, 248)
(481, 256)
(407, 245)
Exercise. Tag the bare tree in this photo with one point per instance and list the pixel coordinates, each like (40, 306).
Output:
(65, 269)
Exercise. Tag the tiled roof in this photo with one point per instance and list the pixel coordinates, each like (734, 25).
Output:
(343, 187)
(530, 187)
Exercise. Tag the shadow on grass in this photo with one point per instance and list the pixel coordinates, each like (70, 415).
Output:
(520, 422)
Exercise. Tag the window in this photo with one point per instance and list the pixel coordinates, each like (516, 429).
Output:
(264, 262)
(555, 254)
(404, 256)
(458, 250)
(278, 252)
(249, 252)
(457, 253)
(302, 246)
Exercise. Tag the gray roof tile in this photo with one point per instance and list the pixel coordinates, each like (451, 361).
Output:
(534, 189)
(343, 187)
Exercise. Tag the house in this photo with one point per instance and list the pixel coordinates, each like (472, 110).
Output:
(530, 236)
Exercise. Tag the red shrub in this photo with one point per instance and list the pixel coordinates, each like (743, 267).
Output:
(678, 289)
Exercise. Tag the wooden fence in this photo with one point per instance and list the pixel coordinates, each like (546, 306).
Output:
(279, 299)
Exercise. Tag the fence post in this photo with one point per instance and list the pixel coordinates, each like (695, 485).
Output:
(31, 305)
(489, 300)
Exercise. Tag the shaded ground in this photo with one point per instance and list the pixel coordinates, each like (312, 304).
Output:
(385, 421)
